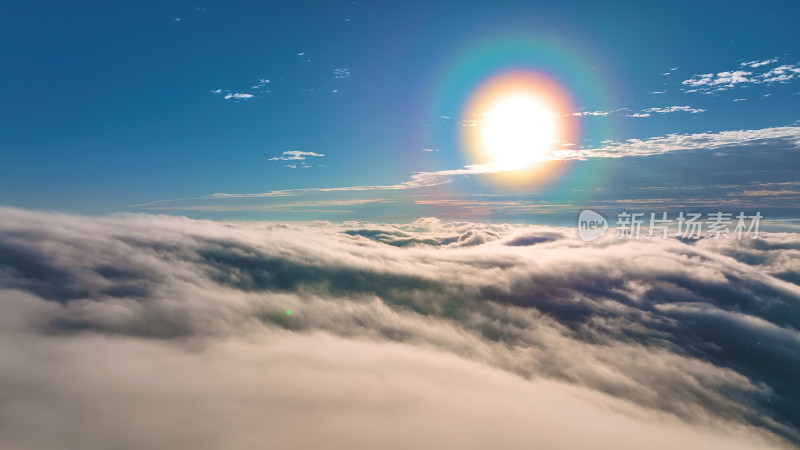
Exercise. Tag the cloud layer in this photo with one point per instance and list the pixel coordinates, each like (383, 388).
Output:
(139, 331)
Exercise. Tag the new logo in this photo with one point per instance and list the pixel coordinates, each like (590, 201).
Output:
(591, 225)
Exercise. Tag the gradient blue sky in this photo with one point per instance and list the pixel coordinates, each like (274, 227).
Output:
(110, 105)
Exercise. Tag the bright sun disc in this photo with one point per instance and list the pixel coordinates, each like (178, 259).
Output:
(517, 131)
(514, 122)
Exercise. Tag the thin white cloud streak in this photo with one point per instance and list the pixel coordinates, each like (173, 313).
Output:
(238, 96)
(418, 180)
(227, 95)
(341, 73)
(678, 142)
(759, 63)
(672, 109)
(632, 147)
(642, 113)
(262, 86)
(288, 206)
(294, 155)
(593, 113)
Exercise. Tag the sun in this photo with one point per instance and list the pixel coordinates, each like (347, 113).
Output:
(517, 130)
(514, 122)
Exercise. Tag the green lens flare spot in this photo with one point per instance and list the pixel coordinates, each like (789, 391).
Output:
(288, 312)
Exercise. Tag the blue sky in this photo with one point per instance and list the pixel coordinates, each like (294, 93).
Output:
(407, 178)
(158, 106)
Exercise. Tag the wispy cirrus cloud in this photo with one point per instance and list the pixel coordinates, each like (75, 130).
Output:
(672, 109)
(295, 155)
(594, 113)
(786, 138)
(677, 142)
(299, 206)
(627, 112)
(238, 96)
(262, 86)
(298, 158)
(266, 86)
(758, 63)
(477, 120)
(418, 180)
(341, 73)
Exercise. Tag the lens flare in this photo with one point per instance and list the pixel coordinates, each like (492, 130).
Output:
(515, 120)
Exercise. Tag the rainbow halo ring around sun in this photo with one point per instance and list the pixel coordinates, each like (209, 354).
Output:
(516, 120)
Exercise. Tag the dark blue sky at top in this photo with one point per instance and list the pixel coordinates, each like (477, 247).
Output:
(109, 104)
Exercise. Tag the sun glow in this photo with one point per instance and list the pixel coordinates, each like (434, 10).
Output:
(516, 120)
(517, 131)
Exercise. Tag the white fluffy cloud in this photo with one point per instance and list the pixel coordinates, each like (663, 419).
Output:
(142, 330)
(709, 82)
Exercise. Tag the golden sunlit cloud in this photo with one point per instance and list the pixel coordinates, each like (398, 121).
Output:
(515, 121)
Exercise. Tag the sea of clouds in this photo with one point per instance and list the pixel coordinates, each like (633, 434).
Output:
(145, 331)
